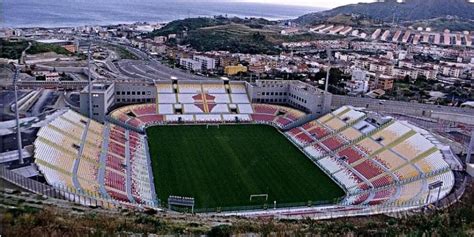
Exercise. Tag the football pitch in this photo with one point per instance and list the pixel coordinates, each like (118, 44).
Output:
(222, 166)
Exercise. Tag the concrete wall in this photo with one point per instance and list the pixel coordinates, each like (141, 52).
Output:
(414, 109)
(128, 93)
(102, 100)
(294, 93)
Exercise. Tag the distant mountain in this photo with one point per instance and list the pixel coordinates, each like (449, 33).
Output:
(411, 10)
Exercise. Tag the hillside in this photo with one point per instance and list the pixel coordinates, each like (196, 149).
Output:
(439, 24)
(411, 10)
(236, 35)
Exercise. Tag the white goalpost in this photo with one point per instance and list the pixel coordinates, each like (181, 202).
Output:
(210, 125)
(259, 196)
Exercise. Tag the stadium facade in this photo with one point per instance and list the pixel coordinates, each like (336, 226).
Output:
(299, 95)
(382, 164)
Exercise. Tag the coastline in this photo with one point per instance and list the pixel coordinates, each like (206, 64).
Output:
(67, 15)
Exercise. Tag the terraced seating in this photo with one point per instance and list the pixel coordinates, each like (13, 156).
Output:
(115, 163)
(331, 164)
(335, 123)
(409, 191)
(318, 131)
(240, 98)
(218, 98)
(263, 118)
(382, 181)
(371, 161)
(389, 159)
(214, 88)
(351, 155)
(148, 109)
(238, 88)
(361, 199)
(303, 139)
(58, 151)
(391, 133)
(315, 150)
(333, 143)
(413, 146)
(381, 196)
(151, 119)
(265, 109)
(245, 109)
(350, 180)
(406, 172)
(368, 146)
(282, 122)
(164, 88)
(208, 118)
(115, 180)
(189, 88)
(350, 134)
(166, 99)
(87, 171)
(368, 169)
(351, 115)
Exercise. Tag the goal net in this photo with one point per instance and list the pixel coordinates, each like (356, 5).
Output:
(262, 196)
(212, 125)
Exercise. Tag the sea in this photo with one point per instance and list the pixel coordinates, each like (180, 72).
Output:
(66, 13)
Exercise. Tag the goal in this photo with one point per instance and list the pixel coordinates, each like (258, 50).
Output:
(263, 195)
(212, 125)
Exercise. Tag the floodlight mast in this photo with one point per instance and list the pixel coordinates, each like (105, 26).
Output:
(90, 79)
(17, 113)
(329, 55)
(17, 117)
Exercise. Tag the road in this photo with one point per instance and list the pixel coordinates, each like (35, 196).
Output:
(147, 68)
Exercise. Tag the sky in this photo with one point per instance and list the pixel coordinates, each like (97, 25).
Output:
(313, 3)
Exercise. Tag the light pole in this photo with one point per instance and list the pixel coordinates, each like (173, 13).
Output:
(90, 79)
(329, 55)
(17, 117)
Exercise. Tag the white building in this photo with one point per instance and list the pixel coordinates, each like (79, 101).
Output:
(207, 63)
(359, 83)
(190, 64)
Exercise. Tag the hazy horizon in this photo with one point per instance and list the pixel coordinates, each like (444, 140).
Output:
(53, 13)
(310, 3)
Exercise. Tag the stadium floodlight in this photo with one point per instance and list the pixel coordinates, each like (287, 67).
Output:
(89, 79)
(17, 116)
(329, 55)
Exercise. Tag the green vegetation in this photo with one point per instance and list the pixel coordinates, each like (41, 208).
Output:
(20, 217)
(12, 49)
(235, 35)
(188, 24)
(451, 23)
(123, 53)
(410, 10)
(419, 90)
(44, 48)
(233, 38)
(222, 167)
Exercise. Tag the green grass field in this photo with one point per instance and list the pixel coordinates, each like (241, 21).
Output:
(222, 167)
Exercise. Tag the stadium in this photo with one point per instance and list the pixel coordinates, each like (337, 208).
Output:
(268, 149)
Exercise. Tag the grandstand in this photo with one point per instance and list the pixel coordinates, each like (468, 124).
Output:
(378, 161)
